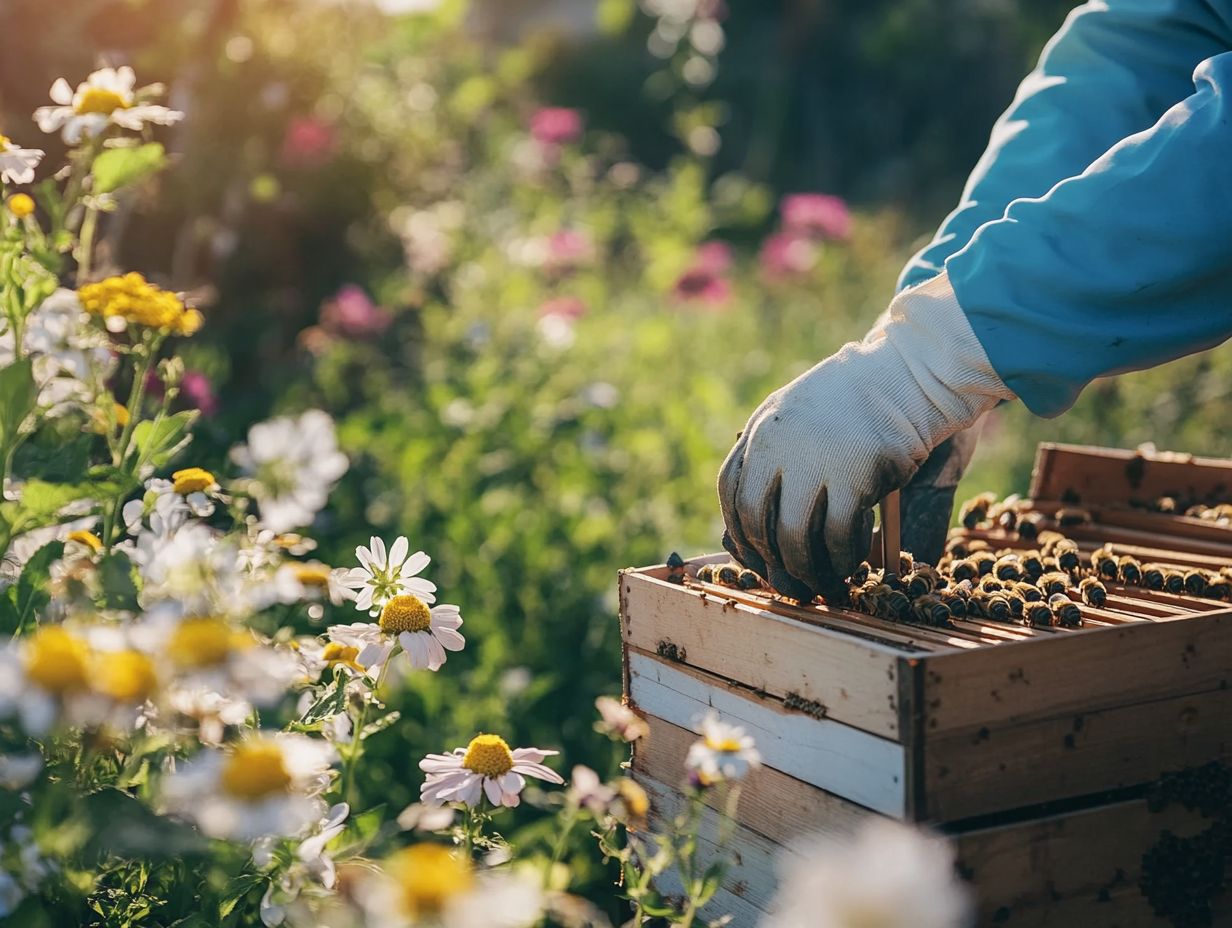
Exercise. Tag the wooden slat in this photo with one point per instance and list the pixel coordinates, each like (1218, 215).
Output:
(859, 766)
(1178, 529)
(771, 802)
(993, 768)
(1086, 671)
(1106, 475)
(854, 679)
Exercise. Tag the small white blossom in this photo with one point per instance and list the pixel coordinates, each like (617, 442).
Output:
(423, 633)
(381, 576)
(724, 753)
(485, 767)
(17, 164)
(107, 97)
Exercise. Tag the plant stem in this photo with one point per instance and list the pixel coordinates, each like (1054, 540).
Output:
(559, 850)
(357, 736)
(85, 248)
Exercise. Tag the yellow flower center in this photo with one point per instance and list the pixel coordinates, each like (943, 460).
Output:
(121, 414)
(203, 642)
(20, 205)
(89, 539)
(730, 745)
(637, 803)
(489, 756)
(98, 100)
(126, 676)
(405, 613)
(312, 575)
(335, 653)
(57, 660)
(254, 770)
(5, 142)
(868, 916)
(191, 480)
(429, 875)
(190, 322)
(138, 301)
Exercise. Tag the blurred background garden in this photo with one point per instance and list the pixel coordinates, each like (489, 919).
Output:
(540, 259)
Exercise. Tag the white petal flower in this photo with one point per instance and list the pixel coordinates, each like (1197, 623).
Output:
(724, 752)
(265, 785)
(292, 464)
(618, 720)
(485, 767)
(380, 576)
(890, 875)
(107, 97)
(17, 771)
(17, 164)
(423, 633)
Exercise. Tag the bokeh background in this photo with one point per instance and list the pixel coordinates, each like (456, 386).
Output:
(531, 255)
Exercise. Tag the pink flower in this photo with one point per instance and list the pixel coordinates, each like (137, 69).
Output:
(567, 250)
(308, 142)
(197, 391)
(556, 125)
(704, 281)
(786, 254)
(569, 308)
(816, 214)
(353, 315)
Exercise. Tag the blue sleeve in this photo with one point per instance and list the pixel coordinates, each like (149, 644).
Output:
(1112, 70)
(1123, 267)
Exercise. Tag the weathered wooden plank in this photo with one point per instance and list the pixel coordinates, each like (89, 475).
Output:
(1085, 671)
(752, 872)
(1108, 475)
(853, 678)
(771, 802)
(992, 768)
(838, 758)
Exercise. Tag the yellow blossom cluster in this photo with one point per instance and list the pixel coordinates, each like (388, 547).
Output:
(137, 301)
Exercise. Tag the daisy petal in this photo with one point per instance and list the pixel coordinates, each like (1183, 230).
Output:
(449, 639)
(494, 793)
(397, 553)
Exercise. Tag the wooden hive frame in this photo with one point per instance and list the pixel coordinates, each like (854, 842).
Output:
(961, 728)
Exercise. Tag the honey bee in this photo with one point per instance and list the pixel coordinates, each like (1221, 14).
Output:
(1195, 582)
(1104, 562)
(1165, 504)
(984, 562)
(895, 605)
(727, 574)
(1066, 553)
(993, 606)
(748, 580)
(1152, 576)
(1007, 519)
(1032, 565)
(1037, 613)
(860, 574)
(1054, 582)
(1029, 526)
(1197, 512)
(956, 547)
(990, 584)
(1050, 563)
(1129, 570)
(922, 580)
(965, 569)
(978, 544)
(1094, 593)
(1218, 588)
(1028, 591)
(975, 510)
(1017, 603)
(930, 609)
(1067, 517)
(705, 573)
(675, 561)
(1007, 567)
(956, 599)
(906, 563)
(1174, 581)
(1065, 611)
(1048, 540)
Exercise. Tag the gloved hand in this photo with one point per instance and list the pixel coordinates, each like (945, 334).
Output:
(798, 488)
(928, 499)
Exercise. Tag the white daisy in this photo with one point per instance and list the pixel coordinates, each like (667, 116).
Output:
(17, 164)
(433, 884)
(196, 570)
(17, 771)
(106, 98)
(264, 785)
(310, 581)
(291, 897)
(424, 633)
(292, 464)
(486, 766)
(380, 576)
(618, 720)
(724, 752)
(889, 875)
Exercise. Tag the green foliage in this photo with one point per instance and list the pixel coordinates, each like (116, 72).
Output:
(123, 167)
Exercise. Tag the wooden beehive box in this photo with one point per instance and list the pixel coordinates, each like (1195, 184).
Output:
(1035, 748)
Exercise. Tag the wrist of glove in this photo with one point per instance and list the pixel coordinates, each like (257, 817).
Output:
(798, 488)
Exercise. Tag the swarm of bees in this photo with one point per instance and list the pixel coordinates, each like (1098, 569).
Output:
(1045, 585)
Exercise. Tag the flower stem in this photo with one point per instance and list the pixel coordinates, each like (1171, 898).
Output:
(357, 737)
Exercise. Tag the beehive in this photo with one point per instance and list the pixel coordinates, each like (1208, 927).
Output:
(1036, 748)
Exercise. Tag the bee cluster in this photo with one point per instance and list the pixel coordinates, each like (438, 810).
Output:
(1182, 875)
(1218, 513)
(732, 575)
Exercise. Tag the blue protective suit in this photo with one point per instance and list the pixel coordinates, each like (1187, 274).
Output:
(1095, 234)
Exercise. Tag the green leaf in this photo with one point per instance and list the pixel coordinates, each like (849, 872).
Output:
(18, 394)
(122, 167)
(331, 703)
(121, 824)
(119, 586)
(158, 441)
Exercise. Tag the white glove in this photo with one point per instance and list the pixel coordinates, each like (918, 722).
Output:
(798, 488)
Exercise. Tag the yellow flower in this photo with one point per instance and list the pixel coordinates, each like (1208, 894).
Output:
(135, 300)
(192, 480)
(57, 660)
(125, 676)
(121, 414)
(428, 876)
(254, 770)
(21, 205)
(89, 539)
